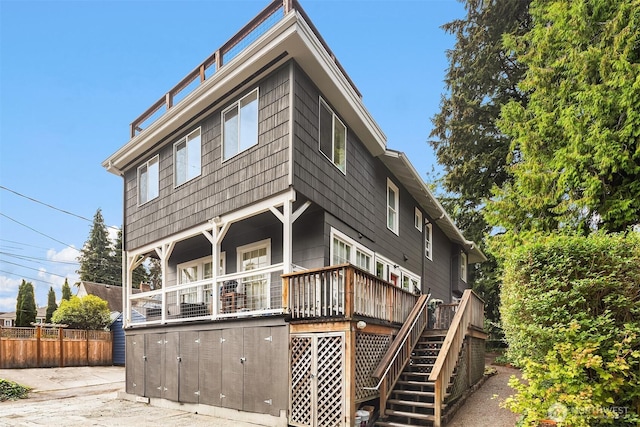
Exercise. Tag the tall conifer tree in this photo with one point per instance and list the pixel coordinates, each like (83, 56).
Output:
(66, 290)
(96, 257)
(26, 309)
(51, 304)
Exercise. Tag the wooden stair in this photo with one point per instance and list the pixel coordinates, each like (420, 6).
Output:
(411, 402)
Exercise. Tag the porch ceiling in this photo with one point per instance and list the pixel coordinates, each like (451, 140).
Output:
(399, 164)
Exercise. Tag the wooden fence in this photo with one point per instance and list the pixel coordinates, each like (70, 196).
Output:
(46, 347)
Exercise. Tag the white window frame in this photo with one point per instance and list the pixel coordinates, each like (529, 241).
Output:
(151, 183)
(428, 241)
(409, 281)
(249, 283)
(335, 121)
(188, 146)
(418, 220)
(393, 223)
(463, 266)
(236, 106)
(198, 294)
(355, 248)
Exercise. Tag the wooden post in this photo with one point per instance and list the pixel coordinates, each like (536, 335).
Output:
(38, 346)
(383, 398)
(285, 294)
(437, 402)
(86, 335)
(348, 303)
(61, 338)
(1, 357)
(202, 75)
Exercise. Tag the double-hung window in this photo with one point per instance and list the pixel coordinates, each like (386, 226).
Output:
(186, 155)
(346, 250)
(428, 241)
(392, 206)
(148, 180)
(332, 137)
(463, 266)
(240, 125)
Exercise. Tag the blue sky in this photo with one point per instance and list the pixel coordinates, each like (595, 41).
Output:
(75, 74)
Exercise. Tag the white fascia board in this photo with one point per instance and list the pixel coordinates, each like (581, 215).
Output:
(291, 34)
(355, 113)
(450, 228)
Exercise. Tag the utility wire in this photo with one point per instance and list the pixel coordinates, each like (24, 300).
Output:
(31, 268)
(28, 278)
(50, 206)
(39, 232)
(31, 258)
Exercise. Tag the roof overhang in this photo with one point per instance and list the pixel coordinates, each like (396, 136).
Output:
(402, 168)
(290, 38)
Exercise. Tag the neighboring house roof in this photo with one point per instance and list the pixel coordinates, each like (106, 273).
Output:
(41, 313)
(111, 294)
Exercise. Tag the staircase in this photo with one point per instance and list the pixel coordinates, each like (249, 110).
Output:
(411, 403)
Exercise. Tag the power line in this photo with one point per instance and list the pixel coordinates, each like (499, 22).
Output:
(23, 244)
(52, 207)
(28, 278)
(31, 268)
(45, 204)
(39, 232)
(31, 258)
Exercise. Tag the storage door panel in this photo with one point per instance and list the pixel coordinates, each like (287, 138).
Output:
(210, 367)
(232, 368)
(154, 365)
(172, 366)
(189, 390)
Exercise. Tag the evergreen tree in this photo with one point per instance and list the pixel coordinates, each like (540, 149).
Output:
(51, 304)
(481, 78)
(26, 309)
(155, 273)
(575, 149)
(96, 257)
(66, 291)
(140, 274)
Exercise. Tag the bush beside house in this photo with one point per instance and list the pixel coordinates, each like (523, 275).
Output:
(571, 315)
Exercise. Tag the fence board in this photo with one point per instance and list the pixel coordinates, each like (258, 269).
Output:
(26, 348)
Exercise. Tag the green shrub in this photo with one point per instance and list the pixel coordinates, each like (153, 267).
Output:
(88, 312)
(571, 315)
(10, 390)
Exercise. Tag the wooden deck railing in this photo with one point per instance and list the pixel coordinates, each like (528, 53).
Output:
(395, 359)
(344, 291)
(470, 313)
(255, 28)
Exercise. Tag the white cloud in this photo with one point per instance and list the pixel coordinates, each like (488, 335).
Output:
(113, 233)
(9, 285)
(8, 304)
(68, 254)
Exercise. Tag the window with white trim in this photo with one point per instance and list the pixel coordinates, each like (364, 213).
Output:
(347, 250)
(195, 271)
(410, 282)
(428, 241)
(418, 220)
(240, 125)
(255, 287)
(392, 206)
(332, 136)
(187, 158)
(463, 266)
(148, 180)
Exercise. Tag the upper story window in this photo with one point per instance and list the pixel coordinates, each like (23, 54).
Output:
(428, 241)
(418, 219)
(148, 180)
(463, 266)
(332, 137)
(186, 155)
(392, 206)
(240, 125)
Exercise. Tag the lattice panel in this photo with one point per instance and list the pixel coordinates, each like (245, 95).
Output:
(330, 380)
(301, 386)
(370, 349)
(461, 381)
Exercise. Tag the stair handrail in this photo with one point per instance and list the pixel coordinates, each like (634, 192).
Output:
(402, 345)
(470, 313)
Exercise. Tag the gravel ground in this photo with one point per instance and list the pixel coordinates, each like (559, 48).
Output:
(482, 408)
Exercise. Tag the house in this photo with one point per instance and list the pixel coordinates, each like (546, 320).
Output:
(298, 252)
(9, 319)
(113, 296)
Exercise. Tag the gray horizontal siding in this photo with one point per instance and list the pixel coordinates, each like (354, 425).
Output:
(252, 175)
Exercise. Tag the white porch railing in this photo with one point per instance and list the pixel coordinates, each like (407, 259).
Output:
(249, 293)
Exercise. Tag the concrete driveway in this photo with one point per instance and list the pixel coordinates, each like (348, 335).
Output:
(84, 396)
